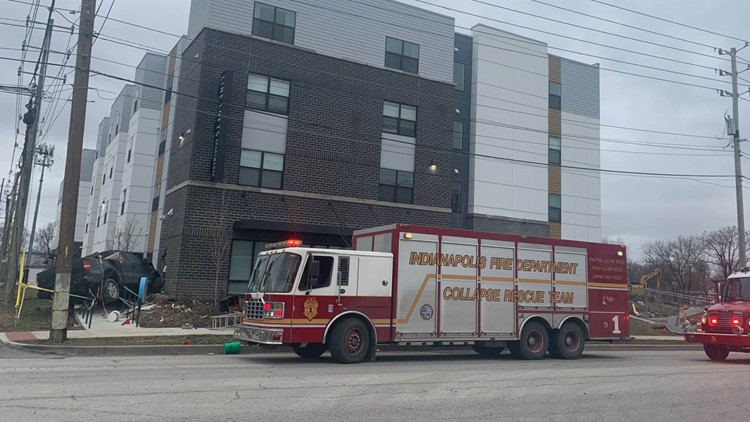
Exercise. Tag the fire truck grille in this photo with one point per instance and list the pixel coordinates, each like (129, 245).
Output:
(255, 309)
(724, 321)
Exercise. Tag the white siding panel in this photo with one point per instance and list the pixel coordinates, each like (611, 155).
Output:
(351, 30)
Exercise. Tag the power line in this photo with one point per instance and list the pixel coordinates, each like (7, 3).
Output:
(668, 21)
(111, 5)
(592, 29)
(624, 24)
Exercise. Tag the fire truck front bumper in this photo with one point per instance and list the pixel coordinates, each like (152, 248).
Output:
(722, 339)
(259, 335)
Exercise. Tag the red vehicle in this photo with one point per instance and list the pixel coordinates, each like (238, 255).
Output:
(409, 285)
(725, 326)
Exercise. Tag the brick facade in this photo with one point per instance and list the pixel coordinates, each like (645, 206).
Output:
(332, 161)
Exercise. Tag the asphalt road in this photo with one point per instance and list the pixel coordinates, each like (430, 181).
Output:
(602, 386)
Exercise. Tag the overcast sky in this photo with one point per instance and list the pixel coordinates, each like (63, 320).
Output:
(637, 209)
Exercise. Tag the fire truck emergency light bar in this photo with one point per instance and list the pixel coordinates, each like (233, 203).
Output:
(291, 243)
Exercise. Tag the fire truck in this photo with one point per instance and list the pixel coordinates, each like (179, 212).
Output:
(409, 285)
(725, 326)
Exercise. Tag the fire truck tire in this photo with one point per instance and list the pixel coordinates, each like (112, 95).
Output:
(533, 343)
(349, 341)
(487, 351)
(568, 342)
(716, 351)
(312, 351)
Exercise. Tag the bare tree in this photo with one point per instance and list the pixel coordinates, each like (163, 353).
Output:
(125, 235)
(45, 239)
(722, 249)
(682, 262)
(220, 244)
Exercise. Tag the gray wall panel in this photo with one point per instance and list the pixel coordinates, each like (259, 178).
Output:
(580, 88)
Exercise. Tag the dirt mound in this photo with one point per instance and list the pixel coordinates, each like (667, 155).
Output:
(177, 314)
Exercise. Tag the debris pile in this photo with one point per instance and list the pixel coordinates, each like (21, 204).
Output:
(157, 312)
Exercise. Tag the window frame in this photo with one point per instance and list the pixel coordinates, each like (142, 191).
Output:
(557, 150)
(399, 121)
(275, 25)
(460, 133)
(393, 190)
(554, 213)
(555, 98)
(401, 56)
(267, 95)
(262, 170)
(460, 83)
(124, 199)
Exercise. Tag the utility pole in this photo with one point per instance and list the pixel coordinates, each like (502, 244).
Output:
(65, 249)
(45, 159)
(31, 118)
(733, 129)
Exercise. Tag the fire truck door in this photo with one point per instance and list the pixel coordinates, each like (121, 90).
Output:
(458, 287)
(416, 292)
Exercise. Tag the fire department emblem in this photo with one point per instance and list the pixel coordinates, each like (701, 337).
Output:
(311, 308)
(426, 312)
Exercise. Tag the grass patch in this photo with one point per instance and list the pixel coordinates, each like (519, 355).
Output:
(36, 315)
(145, 341)
(640, 328)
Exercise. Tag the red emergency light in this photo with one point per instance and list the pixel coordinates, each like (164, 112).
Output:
(736, 320)
(713, 321)
(291, 243)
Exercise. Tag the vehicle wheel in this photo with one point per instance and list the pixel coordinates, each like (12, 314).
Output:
(312, 351)
(568, 342)
(110, 290)
(716, 352)
(533, 343)
(486, 350)
(349, 341)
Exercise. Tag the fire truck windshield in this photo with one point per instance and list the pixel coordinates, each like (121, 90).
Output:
(274, 273)
(737, 289)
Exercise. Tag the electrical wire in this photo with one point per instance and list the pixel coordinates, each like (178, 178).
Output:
(668, 21)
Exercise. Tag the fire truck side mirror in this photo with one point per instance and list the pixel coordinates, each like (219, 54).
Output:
(313, 274)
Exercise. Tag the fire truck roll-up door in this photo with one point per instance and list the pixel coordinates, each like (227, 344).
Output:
(571, 279)
(416, 298)
(497, 313)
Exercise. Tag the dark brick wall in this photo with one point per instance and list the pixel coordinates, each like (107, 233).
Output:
(333, 148)
(464, 45)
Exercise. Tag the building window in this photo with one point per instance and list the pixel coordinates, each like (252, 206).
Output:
(98, 220)
(135, 107)
(105, 216)
(262, 169)
(155, 197)
(130, 153)
(401, 55)
(458, 76)
(92, 189)
(268, 94)
(555, 91)
(555, 144)
(458, 134)
(555, 208)
(241, 264)
(162, 141)
(456, 197)
(110, 172)
(396, 186)
(274, 23)
(168, 92)
(87, 228)
(400, 119)
(117, 129)
(124, 198)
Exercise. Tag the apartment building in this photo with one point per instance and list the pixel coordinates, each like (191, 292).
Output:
(84, 187)
(119, 206)
(310, 120)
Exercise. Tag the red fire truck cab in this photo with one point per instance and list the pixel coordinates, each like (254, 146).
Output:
(410, 285)
(725, 326)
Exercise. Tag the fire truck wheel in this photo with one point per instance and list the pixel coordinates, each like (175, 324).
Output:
(568, 342)
(349, 341)
(715, 351)
(312, 351)
(533, 343)
(487, 351)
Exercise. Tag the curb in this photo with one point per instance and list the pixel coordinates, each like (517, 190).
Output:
(217, 349)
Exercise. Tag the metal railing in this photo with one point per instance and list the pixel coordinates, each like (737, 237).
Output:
(130, 303)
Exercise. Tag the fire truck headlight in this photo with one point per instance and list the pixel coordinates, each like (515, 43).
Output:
(273, 310)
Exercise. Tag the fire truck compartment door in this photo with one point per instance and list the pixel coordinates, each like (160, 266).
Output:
(416, 307)
(458, 287)
(496, 312)
(535, 268)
